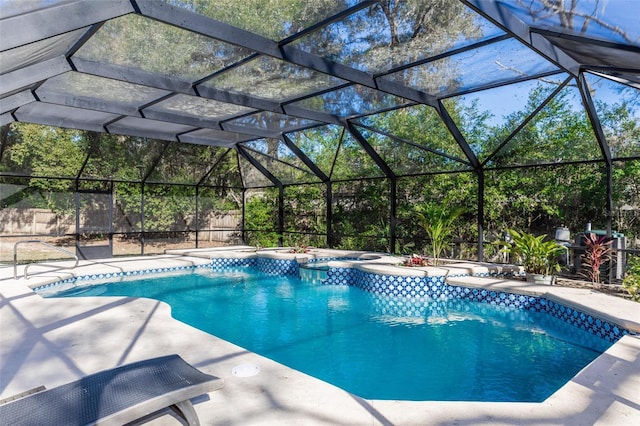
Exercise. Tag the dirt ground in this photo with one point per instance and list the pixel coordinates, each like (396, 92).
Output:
(612, 289)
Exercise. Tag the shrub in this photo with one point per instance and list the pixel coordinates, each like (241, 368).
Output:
(597, 252)
(416, 260)
(631, 281)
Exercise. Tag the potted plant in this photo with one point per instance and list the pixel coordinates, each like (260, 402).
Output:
(538, 257)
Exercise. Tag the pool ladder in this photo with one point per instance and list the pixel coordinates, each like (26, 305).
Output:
(26, 268)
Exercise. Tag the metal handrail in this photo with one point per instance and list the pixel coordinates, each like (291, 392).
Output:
(15, 257)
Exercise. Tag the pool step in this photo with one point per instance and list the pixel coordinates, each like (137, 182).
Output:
(313, 275)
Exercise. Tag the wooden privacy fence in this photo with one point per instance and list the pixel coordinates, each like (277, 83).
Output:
(35, 222)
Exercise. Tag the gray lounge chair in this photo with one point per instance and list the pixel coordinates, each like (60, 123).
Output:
(117, 396)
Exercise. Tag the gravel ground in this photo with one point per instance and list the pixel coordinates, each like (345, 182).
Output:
(615, 289)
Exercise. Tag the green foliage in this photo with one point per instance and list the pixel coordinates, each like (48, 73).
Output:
(437, 222)
(536, 255)
(539, 198)
(456, 189)
(47, 151)
(631, 280)
(422, 125)
(44, 152)
(558, 131)
(261, 219)
(305, 210)
(542, 198)
(626, 181)
(167, 208)
(360, 214)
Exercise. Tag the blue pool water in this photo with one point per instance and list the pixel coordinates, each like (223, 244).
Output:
(456, 350)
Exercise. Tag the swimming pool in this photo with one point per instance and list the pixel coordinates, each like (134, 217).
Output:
(369, 344)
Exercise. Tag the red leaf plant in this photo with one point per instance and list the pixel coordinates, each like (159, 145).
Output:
(416, 260)
(597, 252)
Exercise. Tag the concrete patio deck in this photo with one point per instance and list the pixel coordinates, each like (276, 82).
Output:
(54, 341)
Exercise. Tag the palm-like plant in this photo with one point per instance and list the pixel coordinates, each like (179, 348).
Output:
(438, 224)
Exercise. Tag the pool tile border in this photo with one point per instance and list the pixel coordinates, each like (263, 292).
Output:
(112, 275)
(425, 288)
(413, 289)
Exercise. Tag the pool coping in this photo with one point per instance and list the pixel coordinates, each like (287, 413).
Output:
(50, 342)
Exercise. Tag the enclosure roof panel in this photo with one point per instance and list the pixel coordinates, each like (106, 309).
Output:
(215, 137)
(40, 51)
(223, 73)
(251, 15)
(148, 128)
(97, 93)
(270, 121)
(64, 116)
(613, 21)
(502, 62)
(176, 107)
(136, 42)
(351, 101)
(273, 79)
(384, 36)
